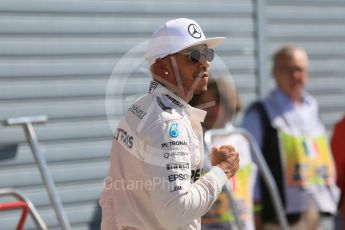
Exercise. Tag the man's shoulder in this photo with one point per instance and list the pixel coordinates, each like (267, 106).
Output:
(153, 110)
(255, 107)
(309, 99)
(163, 121)
(139, 108)
(255, 114)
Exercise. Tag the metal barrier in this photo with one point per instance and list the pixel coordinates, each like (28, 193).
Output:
(26, 205)
(26, 123)
(263, 170)
(16, 205)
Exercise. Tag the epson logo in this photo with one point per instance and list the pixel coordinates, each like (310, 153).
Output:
(173, 143)
(175, 177)
(122, 136)
(177, 166)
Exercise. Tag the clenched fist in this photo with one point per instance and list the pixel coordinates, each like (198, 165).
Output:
(227, 158)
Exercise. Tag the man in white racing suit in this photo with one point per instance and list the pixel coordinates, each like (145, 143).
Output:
(154, 179)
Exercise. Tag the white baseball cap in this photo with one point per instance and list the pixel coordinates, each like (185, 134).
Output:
(176, 35)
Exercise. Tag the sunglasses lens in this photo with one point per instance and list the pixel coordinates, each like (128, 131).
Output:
(209, 54)
(194, 56)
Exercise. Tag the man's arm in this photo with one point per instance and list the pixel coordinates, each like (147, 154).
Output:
(175, 199)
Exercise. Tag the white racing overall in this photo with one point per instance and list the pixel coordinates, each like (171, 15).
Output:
(154, 179)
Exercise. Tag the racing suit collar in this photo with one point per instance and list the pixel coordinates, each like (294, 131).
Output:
(199, 114)
(180, 104)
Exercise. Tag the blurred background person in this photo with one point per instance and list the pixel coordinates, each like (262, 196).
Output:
(294, 143)
(338, 150)
(222, 103)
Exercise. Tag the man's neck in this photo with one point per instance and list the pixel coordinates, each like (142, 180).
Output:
(174, 89)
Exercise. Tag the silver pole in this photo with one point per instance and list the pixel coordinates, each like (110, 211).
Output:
(30, 134)
(261, 46)
(268, 179)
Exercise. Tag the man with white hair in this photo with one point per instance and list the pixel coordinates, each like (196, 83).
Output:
(155, 178)
(293, 140)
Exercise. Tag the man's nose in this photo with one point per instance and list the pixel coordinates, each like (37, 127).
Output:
(296, 74)
(203, 63)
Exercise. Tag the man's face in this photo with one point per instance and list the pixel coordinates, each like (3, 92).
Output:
(193, 75)
(291, 74)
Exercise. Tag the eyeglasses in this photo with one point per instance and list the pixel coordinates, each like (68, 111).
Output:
(194, 55)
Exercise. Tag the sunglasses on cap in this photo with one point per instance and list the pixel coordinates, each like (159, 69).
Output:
(194, 55)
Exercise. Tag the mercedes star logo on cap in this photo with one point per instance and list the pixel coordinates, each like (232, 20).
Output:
(194, 31)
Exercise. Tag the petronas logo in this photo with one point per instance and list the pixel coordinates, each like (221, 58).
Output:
(173, 131)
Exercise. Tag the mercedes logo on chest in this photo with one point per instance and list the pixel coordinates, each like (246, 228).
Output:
(194, 31)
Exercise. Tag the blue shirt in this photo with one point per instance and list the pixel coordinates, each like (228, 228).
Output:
(278, 103)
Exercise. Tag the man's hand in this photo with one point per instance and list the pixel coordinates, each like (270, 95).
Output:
(227, 158)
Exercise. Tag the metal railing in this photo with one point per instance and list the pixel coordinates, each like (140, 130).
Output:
(32, 210)
(27, 124)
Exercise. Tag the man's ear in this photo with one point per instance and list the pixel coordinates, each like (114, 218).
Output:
(161, 68)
